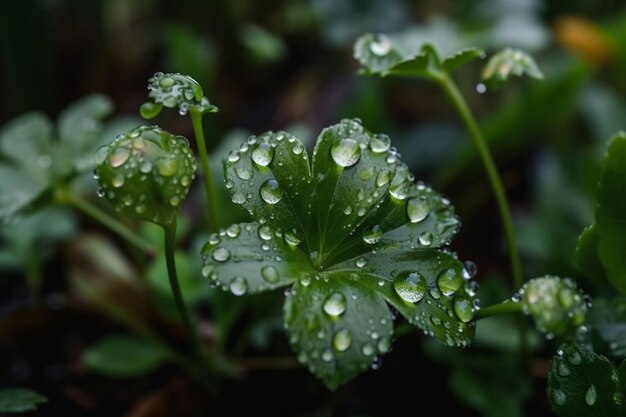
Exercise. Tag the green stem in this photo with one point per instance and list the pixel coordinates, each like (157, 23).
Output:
(497, 309)
(100, 216)
(170, 239)
(495, 181)
(33, 280)
(209, 183)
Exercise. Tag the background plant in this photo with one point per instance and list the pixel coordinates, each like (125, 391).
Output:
(549, 156)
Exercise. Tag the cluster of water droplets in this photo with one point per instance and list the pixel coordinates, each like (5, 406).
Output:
(175, 90)
(556, 305)
(224, 262)
(146, 173)
(564, 366)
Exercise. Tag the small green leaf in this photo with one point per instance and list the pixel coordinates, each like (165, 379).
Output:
(424, 52)
(587, 257)
(248, 258)
(351, 223)
(510, 62)
(337, 326)
(175, 90)
(146, 173)
(20, 400)
(607, 319)
(27, 142)
(604, 241)
(123, 357)
(582, 383)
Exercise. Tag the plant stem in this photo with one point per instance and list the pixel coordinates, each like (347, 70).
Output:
(33, 280)
(102, 217)
(497, 309)
(209, 183)
(170, 239)
(495, 181)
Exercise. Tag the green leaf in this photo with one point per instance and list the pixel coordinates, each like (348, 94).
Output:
(20, 400)
(601, 247)
(582, 383)
(248, 258)
(123, 357)
(80, 128)
(26, 141)
(422, 52)
(18, 191)
(607, 319)
(510, 62)
(587, 258)
(351, 221)
(337, 326)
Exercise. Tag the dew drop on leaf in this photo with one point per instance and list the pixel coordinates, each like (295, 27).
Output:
(166, 166)
(559, 397)
(265, 232)
(270, 192)
(380, 143)
(346, 152)
(373, 236)
(335, 304)
(367, 349)
(591, 396)
(269, 274)
(291, 239)
(221, 254)
(410, 286)
(381, 45)
(449, 282)
(342, 340)
(463, 309)
(238, 285)
(233, 230)
(263, 154)
(119, 156)
(117, 181)
(417, 209)
(243, 173)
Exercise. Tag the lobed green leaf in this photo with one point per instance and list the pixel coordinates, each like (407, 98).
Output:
(20, 400)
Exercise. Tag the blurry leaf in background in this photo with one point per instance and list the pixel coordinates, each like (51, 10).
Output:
(607, 319)
(585, 38)
(510, 62)
(29, 238)
(189, 53)
(513, 24)
(20, 400)
(603, 110)
(123, 356)
(490, 382)
(548, 233)
(342, 21)
(263, 45)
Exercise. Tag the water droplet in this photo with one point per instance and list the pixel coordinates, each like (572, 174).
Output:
(335, 304)
(298, 148)
(348, 210)
(559, 397)
(342, 340)
(361, 262)
(119, 156)
(481, 88)
(425, 238)
(449, 282)
(117, 181)
(291, 239)
(381, 45)
(174, 201)
(327, 355)
(563, 369)
(469, 269)
(463, 309)
(346, 152)
(591, 396)
(384, 344)
(269, 274)
(410, 286)
(265, 232)
(263, 154)
(145, 167)
(243, 173)
(373, 236)
(383, 178)
(366, 173)
(368, 349)
(238, 286)
(166, 166)
(270, 192)
(233, 230)
(238, 198)
(233, 156)
(380, 143)
(221, 254)
(574, 357)
(417, 209)
(167, 82)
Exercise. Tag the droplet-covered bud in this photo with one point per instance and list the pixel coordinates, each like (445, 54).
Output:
(175, 90)
(556, 304)
(146, 173)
